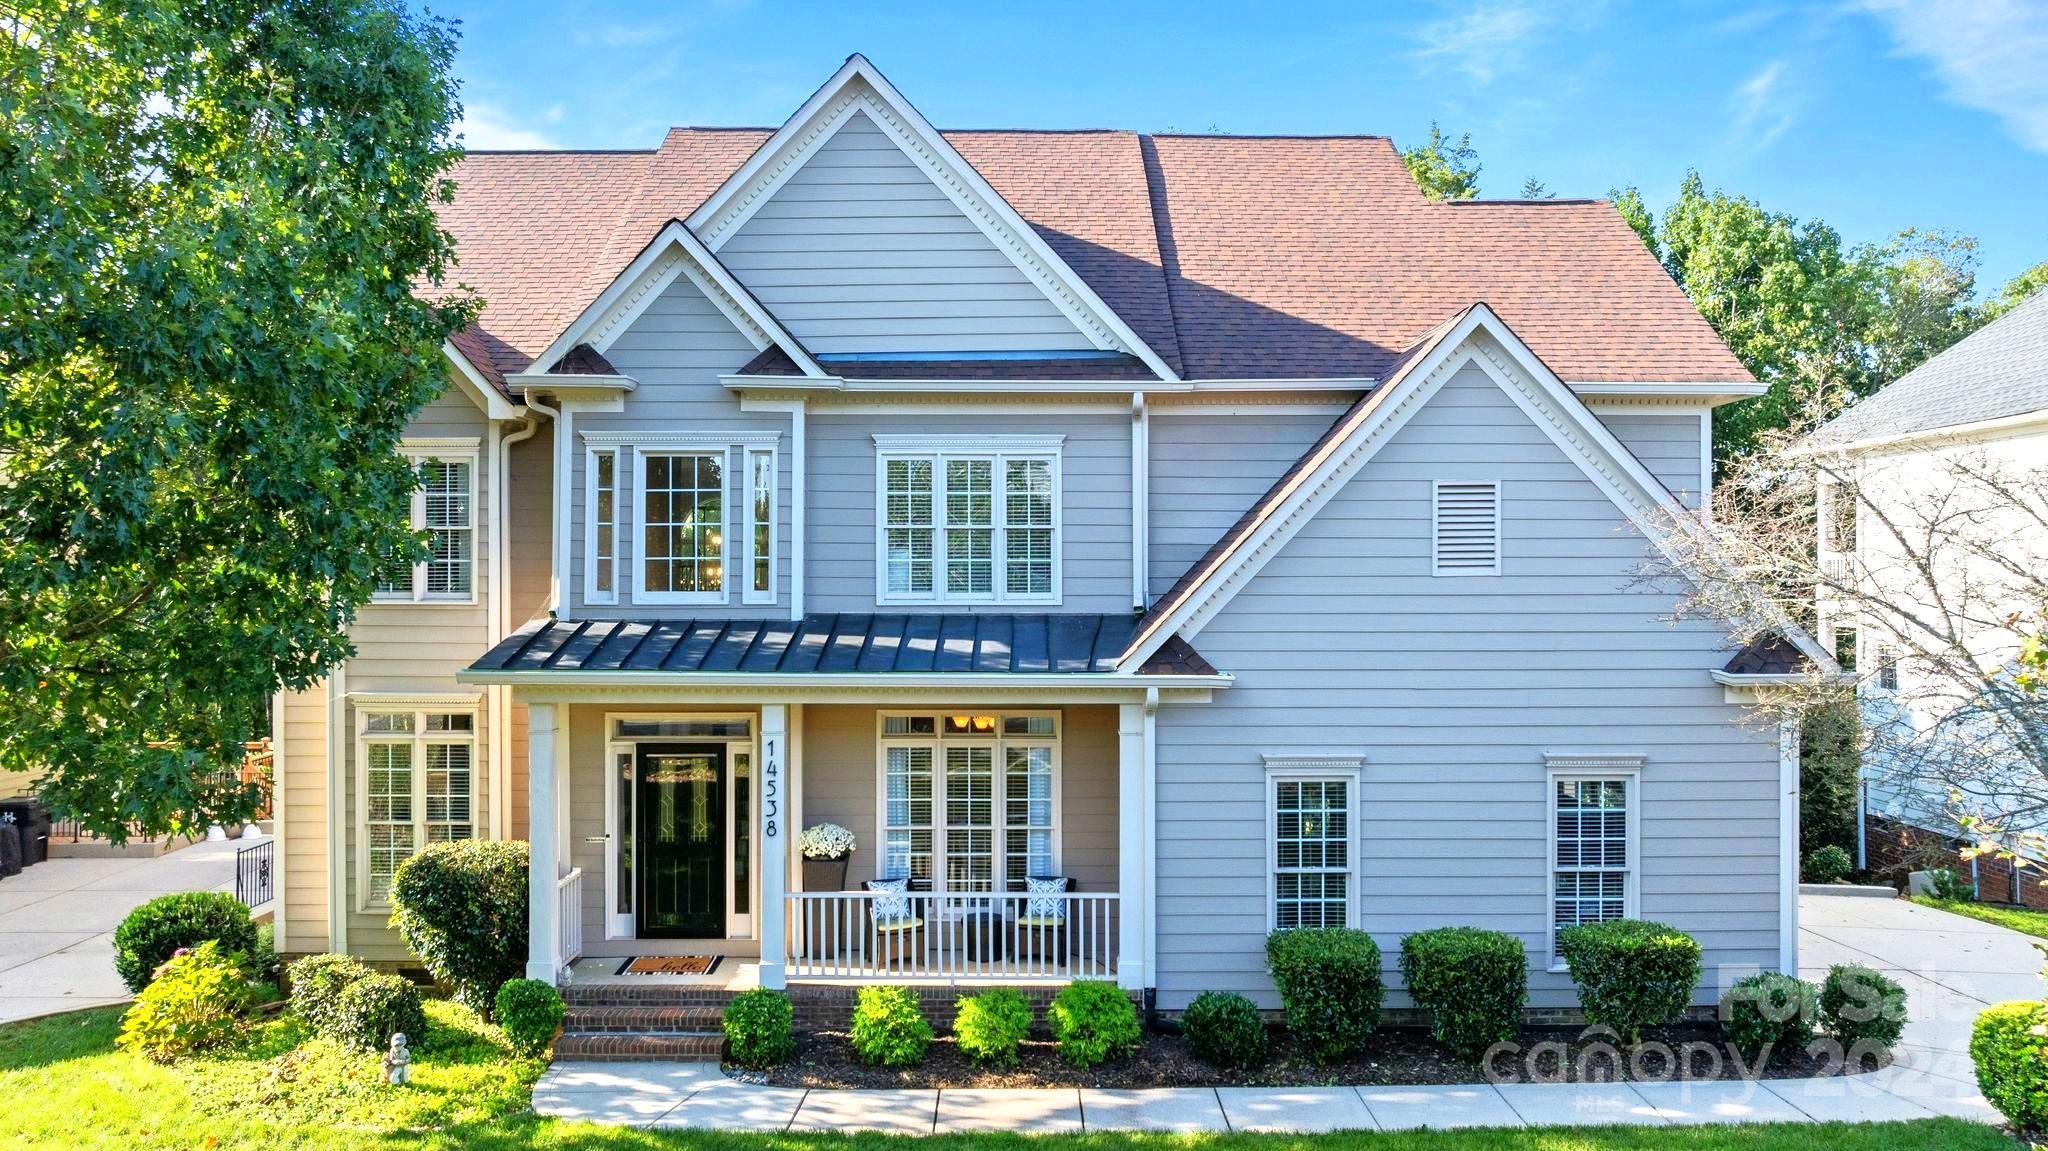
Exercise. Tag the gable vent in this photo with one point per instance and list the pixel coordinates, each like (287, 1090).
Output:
(1467, 538)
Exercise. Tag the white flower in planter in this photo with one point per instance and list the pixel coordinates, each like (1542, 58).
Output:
(825, 841)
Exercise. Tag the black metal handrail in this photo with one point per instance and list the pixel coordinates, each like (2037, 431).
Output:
(254, 866)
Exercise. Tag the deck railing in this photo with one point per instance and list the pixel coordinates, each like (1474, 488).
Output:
(838, 935)
(254, 867)
(569, 914)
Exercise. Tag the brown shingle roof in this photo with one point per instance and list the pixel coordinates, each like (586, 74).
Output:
(1231, 256)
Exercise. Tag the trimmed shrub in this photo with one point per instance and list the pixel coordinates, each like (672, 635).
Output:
(1950, 886)
(989, 1027)
(888, 1028)
(195, 1002)
(1330, 983)
(1631, 973)
(1826, 864)
(759, 1028)
(1094, 1021)
(1861, 1005)
(2008, 1048)
(529, 1012)
(317, 982)
(373, 1009)
(1769, 1012)
(156, 930)
(1474, 984)
(1225, 1029)
(461, 907)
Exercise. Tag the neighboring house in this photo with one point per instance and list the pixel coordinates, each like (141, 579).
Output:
(1213, 523)
(1979, 407)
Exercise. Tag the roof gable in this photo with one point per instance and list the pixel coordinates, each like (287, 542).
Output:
(1998, 372)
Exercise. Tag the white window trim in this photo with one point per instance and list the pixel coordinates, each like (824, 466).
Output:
(450, 449)
(748, 592)
(418, 739)
(1500, 500)
(999, 450)
(723, 451)
(938, 743)
(592, 594)
(1565, 767)
(1347, 769)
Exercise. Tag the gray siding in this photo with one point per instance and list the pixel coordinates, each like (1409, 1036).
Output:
(1455, 688)
(859, 251)
(1095, 503)
(677, 349)
(1668, 445)
(1207, 468)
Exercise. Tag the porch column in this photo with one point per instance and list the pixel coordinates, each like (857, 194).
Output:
(775, 774)
(1134, 784)
(543, 792)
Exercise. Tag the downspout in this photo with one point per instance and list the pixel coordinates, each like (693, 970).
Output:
(1141, 498)
(501, 626)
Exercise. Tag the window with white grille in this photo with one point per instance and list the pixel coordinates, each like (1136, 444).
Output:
(444, 507)
(1592, 849)
(968, 527)
(1312, 865)
(682, 553)
(1466, 535)
(601, 564)
(970, 800)
(416, 772)
(760, 526)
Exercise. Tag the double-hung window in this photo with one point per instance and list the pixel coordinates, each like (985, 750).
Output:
(444, 507)
(970, 800)
(416, 774)
(1311, 818)
(977, 522)
(1592, 836)
(683, 528)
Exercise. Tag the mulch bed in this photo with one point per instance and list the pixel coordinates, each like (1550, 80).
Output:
(1393, 1057)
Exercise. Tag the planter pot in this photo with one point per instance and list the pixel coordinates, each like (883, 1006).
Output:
(826, 874)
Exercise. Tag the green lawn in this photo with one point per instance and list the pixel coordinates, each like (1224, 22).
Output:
(62, 1085)
(2018, 918)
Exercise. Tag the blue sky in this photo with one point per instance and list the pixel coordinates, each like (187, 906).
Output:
(1874, 115)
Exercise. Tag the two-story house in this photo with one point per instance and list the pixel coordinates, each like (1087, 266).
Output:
(1140, 542)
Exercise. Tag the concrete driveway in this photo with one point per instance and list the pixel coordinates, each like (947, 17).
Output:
(57, 920)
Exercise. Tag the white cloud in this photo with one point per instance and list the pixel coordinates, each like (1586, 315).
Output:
(1762, 108)
(1482, 40)
(1988, 53)
(490, 126)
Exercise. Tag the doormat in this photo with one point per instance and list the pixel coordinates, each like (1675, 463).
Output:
(670, 965)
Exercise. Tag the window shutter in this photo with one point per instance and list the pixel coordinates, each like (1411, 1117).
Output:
(1467, 535)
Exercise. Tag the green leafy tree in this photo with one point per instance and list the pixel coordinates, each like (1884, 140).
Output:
(1534, 189)
(1629, 202)
(214, 217)
(2017, 291)
(1444, 169)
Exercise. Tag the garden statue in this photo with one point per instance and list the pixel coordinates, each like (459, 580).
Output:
(398, 1062)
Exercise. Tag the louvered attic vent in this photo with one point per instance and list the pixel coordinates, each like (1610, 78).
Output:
(1467, 528)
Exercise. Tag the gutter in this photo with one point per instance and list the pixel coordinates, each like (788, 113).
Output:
(1105, 681)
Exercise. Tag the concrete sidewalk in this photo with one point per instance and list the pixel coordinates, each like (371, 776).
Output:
(57, 920)
(1951, 968)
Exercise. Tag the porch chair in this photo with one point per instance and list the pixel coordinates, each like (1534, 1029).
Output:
(1041, 930)
(895, 934)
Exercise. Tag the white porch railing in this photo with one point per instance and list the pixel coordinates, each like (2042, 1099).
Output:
(569, 918)
(835, 935)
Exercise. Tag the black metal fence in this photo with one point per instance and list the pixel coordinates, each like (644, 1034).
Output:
(254, 866)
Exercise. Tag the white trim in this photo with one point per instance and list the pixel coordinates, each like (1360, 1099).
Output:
(1078, 682)
(740, 923)
(639, 592)
(383, 701)
(278, 918)
(440, 447)
(1700, 391)
(881, 385)
(1564, 761)
(592, 594)
(858, 86)
(797, 410)
(682, 439)
(776, 770)
(1141, 500)
(972, 445)
(1788, 846)
(749, 593)
(1707, 465)
(416, 741)
(1971, 430)
(999, 451)
(1631, 885)
(997, 742)
(480, 391)
(421, 450)
(1351, 777)
(1313, 762)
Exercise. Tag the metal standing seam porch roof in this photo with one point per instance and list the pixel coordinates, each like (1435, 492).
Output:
(838, 644)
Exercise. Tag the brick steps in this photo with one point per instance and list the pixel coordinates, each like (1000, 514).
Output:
(639, 1017)
(627, 1046)
(610, 1022)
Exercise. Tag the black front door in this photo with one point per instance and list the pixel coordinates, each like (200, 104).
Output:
(681, 841)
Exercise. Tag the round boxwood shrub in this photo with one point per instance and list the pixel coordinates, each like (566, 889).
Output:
(194, 1003)
(1769, 1013)
(1225, 1029)
(989, 1027)
(1631, 973)
(461, 907)
(759, 1028)
(2009, 1047)
(1860, 1005)
(888, 1028)
(1094, 1021)
(529, 1012)
(1828, 863)
(373, 1009)
(1474, 984)
(1330, 984)
(317, 982)
(156, 930)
